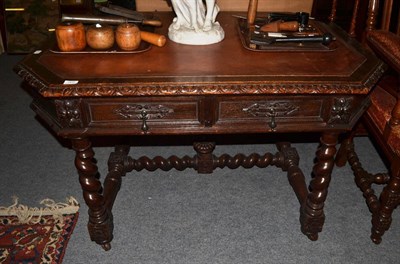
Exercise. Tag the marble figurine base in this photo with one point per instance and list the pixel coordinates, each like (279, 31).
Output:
(191, 36)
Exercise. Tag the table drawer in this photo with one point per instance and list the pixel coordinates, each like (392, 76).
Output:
(203, 114)
(268, 112)
(142, 114)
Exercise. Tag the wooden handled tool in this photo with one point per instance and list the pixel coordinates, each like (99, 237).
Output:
(325, 39)
(279, 26)
(154, 23)
(153, 38)
(127, 13)
(112, 20)
(252, 12)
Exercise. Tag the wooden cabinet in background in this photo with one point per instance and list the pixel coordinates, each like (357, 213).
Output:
(322, 8)
(2, 25)
(29, 23)
(76, 6)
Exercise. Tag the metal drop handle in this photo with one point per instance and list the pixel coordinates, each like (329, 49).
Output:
(272, 124)
(144, 117)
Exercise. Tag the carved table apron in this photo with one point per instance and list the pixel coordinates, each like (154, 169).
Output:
(202, 90)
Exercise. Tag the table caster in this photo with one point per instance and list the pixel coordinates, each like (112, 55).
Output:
(106, 246)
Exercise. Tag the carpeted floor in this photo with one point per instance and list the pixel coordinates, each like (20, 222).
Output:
(241, 216)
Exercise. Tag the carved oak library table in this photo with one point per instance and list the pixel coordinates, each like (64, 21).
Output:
(218, 89)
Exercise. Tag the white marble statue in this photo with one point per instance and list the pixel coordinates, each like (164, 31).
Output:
(195, 22)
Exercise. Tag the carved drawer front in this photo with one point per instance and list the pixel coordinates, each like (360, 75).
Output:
(270, 113)
(143, 115)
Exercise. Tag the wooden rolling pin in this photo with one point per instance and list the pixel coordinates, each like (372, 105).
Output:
(279, 26)
(153, 38)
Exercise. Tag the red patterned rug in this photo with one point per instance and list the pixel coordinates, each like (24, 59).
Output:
(36, 235)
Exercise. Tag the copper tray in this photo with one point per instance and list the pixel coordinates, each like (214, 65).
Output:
(285, 46)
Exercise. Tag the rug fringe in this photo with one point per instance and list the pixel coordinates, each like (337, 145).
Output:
(33, 215)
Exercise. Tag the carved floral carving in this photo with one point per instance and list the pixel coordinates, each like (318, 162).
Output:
(69, 113)
(341, 111)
